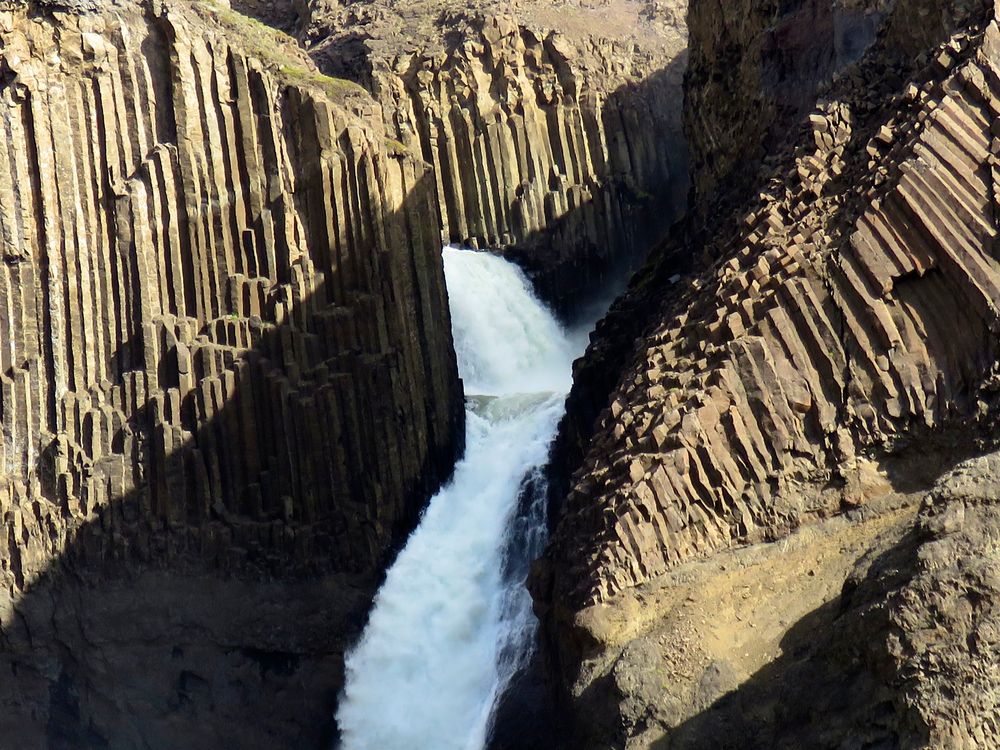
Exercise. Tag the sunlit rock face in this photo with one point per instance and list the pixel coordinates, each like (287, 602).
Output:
(226, 353)
(783, 383)
(554, 130)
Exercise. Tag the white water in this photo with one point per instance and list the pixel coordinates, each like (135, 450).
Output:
(453, 622)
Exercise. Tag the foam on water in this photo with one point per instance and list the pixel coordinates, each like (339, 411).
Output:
(452, 622)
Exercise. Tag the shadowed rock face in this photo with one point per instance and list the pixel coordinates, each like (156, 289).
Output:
(226, 359)
(554, 131)
(826, 350)
(755, 67)
(866, 630)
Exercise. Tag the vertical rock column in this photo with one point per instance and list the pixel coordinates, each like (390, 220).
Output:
(562, 150)
(535, 158)
(223, 318)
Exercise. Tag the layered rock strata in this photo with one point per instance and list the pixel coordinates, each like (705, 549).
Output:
(830, 355)
(554, 132)
(226, 353)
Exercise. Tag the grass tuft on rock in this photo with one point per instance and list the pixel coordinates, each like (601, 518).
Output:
(279, 51)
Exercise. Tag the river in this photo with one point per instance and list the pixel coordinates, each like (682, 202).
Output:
(453, 622)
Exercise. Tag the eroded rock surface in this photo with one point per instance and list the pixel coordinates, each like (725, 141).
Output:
(875, 628)
(226, 354)
(823, 353)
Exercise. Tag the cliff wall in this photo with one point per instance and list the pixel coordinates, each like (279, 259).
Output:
(755, 68)
(798, 348)
(754, 74)
(554, 132)
(226, 357)
(809, 364)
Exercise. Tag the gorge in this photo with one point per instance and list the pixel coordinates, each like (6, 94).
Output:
(452, 623)
(276, 471)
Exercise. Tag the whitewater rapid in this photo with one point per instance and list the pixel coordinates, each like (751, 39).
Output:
(452, 622)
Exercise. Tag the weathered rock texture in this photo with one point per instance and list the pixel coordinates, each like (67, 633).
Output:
(755, 67)
(554, 132)
(226, 352)
(738, 138)
(286, 15)
(815, 339)
(867, 629)
(834, 347)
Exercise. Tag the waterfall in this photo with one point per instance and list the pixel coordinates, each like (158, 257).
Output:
(452, 623)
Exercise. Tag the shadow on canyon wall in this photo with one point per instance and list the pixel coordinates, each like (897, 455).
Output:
(832, 685)
(821, 693)
(605, 240)
(742, 124)
(656, 290)
(210, 605)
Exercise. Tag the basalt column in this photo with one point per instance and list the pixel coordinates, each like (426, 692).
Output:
(764, 526)
(554, 133)
(226, 359)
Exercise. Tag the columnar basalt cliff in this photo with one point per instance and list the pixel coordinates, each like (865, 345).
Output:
(814, 361)
(554, 132)
(788, 357)
(226, 355)
(737, 136)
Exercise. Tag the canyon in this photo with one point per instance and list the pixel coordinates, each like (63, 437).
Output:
(452, 625)
(229, 384)
(235, 377)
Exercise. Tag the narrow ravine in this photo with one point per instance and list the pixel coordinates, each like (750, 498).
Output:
(453, 621)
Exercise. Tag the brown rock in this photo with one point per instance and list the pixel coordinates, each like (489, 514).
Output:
(554, 130)
(226, 356)
(856, 372)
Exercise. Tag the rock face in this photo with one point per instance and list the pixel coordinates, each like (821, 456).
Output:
(554, 132)
(226, 357)
(755, 67)
(854, 629)
(819, 356)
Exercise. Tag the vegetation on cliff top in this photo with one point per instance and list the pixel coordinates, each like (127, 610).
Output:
(279, 51)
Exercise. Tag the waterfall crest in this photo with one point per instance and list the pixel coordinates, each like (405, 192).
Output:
(453, 622)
